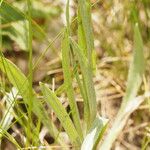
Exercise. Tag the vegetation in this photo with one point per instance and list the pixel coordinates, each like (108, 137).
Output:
(74, 96)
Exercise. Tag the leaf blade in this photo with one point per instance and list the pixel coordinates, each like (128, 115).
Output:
(18, 79)
(61, 113)
(68, 83)
(90, 102)
(130, 103)
(95, 134)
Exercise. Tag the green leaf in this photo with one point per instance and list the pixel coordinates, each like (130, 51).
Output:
(137, 68)
(90, 102)
(68, 16)
(86, 45)
(9, 137)
(18, 33)
(85, 31)
(95, 134)
(68, 82)
(8, 112)
(6, 9)
(130, 103)
(81, 35)
(85, 12)
(15, 25)
(18, 79)
(61, 113)
(120, 122)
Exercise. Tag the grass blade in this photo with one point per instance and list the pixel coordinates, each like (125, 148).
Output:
(81, 35)
(10, 138)
(90, 103)
(61, 113)
(130, 103)
(85, 12)
(18, 79)
(6, 10)
(17, 31)
(8, 114)
(30, 33)
(68, 83)
(30, 68)
(16, 15)
(136, 69)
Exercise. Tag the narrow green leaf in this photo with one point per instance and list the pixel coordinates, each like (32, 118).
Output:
(68, 16)
(136, 69)
(85, 12)
(68, 82)
(18, 33)
(85, 31)
(9, 137)
(86, 44)
(61, 113)
(60, 89)
(8, 113)
(90, 103)
(17, 16)
(130, 103)
(95, 134)
(120, 122)
(6, 10)
(30, 33)
(81, 35)
(18, 79)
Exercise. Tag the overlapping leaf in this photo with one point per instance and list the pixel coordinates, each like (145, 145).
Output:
(18, 79)
(61, 113)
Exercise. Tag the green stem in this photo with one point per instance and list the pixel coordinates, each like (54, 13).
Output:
(30, 45)
(30, 77)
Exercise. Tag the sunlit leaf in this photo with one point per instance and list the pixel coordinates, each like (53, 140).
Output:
(95, 134)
